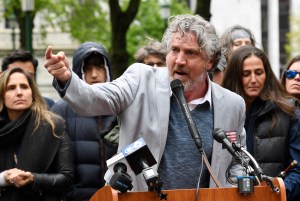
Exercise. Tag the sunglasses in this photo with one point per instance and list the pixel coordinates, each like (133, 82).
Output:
(291, 74)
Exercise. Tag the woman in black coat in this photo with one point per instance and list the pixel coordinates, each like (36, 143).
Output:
(35, 152)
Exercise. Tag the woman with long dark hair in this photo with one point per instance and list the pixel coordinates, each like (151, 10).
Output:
(272, 124)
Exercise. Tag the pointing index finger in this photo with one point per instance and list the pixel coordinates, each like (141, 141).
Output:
(48, 53)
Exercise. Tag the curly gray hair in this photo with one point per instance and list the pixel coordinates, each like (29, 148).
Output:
(205, 33)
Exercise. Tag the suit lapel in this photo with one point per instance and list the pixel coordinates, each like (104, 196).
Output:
(163, 93)
(218, 106)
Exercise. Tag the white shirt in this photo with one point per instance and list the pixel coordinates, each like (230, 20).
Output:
(192, 104)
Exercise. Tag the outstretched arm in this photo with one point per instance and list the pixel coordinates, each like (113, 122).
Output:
(57, 65)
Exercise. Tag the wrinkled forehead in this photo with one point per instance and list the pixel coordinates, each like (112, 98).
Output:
(187, 39)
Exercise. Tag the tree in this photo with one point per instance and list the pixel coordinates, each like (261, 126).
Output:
(86, 20)
(203, 9)
(78, 16)
(120, 23)
(130, 23)
(15, 7)
(149, 24)
(120, 27)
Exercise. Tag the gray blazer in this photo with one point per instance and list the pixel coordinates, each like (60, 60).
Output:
(141, 100)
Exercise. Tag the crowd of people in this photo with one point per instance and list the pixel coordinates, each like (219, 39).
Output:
(97, 115)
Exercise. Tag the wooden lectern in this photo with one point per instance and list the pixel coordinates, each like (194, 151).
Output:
(261, 193)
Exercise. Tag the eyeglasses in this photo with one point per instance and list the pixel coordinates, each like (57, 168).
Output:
(291, 74)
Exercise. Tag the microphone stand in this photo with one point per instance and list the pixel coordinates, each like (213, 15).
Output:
(152, 179)
(257, 172)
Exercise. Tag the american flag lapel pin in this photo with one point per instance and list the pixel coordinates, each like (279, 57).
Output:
(231, 135)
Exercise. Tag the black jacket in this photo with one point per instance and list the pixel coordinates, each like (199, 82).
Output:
(47, 157)
(271, 147)
(275, 149)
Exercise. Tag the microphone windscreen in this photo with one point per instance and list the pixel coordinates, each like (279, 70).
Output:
(175, 84)
(219, 135)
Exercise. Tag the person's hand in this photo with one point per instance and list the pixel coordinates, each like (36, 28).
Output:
(18, 178)
(11, 176)
(25, 179)
(57, 65)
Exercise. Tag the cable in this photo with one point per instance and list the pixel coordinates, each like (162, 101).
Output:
(198, 184)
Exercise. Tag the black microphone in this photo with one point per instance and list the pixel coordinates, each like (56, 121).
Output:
(139, 158)
(234, 148)
(137, 155)
(220, 136)
(177, 89)
(121, 181)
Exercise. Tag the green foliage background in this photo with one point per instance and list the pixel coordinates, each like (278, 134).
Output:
(292, 48)
(148, 23)
(88, 20)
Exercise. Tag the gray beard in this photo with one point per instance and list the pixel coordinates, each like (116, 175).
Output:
(190, 84)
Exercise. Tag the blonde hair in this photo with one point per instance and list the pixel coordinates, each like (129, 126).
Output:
(38, 107)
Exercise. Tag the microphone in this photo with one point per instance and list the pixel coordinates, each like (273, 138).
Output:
(121, 180)
(220, 136)
(234, 148)
(177, 89)
(139, 158)
(257, 171)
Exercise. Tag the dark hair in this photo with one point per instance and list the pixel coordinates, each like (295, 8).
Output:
(86, 49)
(272, 89)
(287, 67)
(94, 59)
(19, 55)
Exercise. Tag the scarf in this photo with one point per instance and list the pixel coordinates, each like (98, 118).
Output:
(23, 139)
(11, 134)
